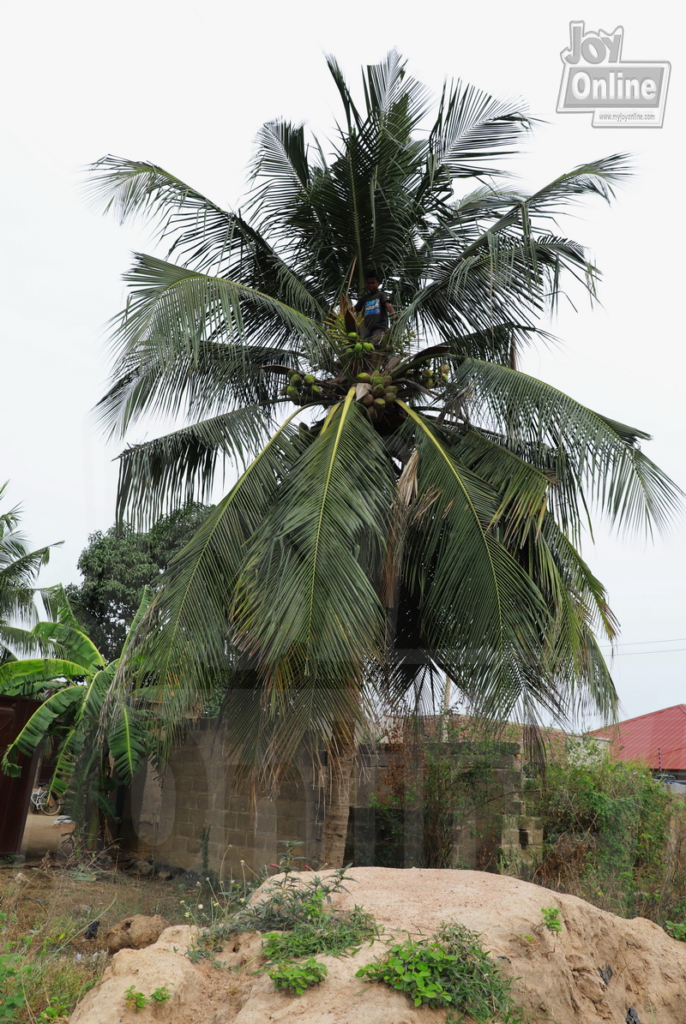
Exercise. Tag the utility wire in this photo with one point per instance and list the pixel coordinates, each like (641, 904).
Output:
(665, 650)
(638, 643)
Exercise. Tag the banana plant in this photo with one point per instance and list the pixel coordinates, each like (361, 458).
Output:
(71, 679)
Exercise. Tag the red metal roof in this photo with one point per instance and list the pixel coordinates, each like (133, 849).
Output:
(658, 738)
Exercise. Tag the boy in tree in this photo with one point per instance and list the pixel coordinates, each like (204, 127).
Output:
(376, 306)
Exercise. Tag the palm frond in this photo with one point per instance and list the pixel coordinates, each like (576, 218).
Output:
(472, 127)
(174, 310)
(160, 475)
(128, 740)
(184, 634)
(307, 605)
(208, 238)
(603, 456)
(480, 611)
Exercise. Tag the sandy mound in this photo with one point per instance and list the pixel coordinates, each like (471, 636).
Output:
(135, 932)
(593, 971)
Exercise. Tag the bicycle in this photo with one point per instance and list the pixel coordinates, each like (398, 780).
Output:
(44, 801)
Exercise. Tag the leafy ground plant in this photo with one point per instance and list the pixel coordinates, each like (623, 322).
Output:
(451, 970)
(297, 977)
(290, 901)
(161, 995)
(135, 999)
(338, 934)
(551, 919)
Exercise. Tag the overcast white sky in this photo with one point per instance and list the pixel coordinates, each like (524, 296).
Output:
(187, 85)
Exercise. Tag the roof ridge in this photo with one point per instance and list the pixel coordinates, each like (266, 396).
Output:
(637, 718)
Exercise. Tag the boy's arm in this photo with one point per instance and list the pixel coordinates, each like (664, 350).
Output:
(389, 307)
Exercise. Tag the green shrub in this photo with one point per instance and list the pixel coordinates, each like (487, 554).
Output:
(302, 911)
(607, 828)
(450, 970)
(289, 902)
(296, 978)
(440, 773)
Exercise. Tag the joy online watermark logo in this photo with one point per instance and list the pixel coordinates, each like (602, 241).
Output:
(619, 94)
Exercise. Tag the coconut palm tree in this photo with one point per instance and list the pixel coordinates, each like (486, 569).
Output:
(403, 512)
(18, 570)
(67, 673)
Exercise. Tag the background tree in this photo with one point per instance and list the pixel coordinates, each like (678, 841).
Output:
(403, 514)
(19, 568)
(118, 565)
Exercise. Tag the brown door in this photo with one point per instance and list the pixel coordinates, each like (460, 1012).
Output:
(15, 794)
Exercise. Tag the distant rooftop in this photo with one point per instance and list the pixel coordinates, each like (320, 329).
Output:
(658, 738)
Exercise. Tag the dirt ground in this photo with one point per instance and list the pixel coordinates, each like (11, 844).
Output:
(49, 902)
(77, 894)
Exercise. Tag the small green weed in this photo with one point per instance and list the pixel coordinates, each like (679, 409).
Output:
(338, 934)
(205, 947)
(450, 970)
(297, 978)
(289, 902)
(135, 999)
(676, 930)
(419, 969)
(161, 995)
(551, 919)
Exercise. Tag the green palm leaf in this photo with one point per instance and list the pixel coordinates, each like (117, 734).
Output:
(480, 611)
(160, 475)
(174, 309)
(601, 455)
(182, 638)
(307, 602)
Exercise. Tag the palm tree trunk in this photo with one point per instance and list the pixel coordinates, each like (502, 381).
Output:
(341, 760)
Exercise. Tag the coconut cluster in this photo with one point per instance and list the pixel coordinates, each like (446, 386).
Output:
(301, 387)
(355, 347)
(382, 376)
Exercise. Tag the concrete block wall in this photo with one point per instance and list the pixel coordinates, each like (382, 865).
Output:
(199, 816)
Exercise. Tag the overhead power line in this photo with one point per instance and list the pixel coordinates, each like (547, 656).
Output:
(665, 650)
(638, 643)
